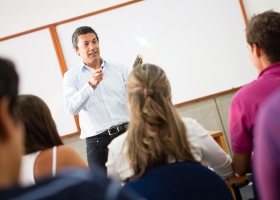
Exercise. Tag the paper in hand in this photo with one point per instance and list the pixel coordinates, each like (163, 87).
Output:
(138, 60)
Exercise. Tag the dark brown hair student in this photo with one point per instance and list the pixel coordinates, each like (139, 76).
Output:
(40, 128)
(264, 31)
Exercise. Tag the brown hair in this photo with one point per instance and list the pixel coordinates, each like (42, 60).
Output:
(264, 31)
(156, 132)
(40, 128)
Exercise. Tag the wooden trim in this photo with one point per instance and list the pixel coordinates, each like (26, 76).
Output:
(68, 20)
(70, 135)
(243, 11)
(62, 64)
(58, 49)
(96, 12)
(207, 97)
(24, 33)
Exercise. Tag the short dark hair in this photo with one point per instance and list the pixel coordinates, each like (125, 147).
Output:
(40, 128)
(264, 31)
(80, 31)
(9, 81)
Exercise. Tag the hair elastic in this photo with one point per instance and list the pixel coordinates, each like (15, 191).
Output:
(148, 92)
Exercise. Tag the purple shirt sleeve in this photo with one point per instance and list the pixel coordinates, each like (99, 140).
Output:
(241, 141)
(267, 150)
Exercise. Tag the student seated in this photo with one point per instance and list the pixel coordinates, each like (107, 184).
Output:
(74, 184)
(263, 38)
(157, 134)
(45, 153)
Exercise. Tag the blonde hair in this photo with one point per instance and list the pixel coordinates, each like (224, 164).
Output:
(156, 132)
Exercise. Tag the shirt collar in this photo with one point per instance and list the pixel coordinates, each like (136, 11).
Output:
(274, 68)
(84, 66)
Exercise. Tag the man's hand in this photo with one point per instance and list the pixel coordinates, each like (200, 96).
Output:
(95, 78)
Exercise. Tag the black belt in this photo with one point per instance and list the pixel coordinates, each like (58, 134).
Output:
(114, 130)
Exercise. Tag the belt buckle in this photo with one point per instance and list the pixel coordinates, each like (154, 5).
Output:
(109, 130)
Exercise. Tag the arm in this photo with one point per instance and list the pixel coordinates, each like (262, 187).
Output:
(241, 163)
(74, 99)
(241, 142)
(111, 166)
(212, 153)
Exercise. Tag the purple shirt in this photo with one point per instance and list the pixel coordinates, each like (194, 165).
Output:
(267, 150)
(245, 105)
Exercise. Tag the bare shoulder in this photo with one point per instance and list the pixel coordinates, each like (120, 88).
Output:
(65, 150)
(67, 156)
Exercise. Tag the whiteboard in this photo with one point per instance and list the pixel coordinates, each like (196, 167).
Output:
(200, 44)
(33, 13)
(35, 58)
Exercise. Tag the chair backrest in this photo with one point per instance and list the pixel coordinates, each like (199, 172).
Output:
(181, 181)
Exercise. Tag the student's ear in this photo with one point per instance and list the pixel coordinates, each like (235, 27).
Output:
(5, 119)
(256, 50)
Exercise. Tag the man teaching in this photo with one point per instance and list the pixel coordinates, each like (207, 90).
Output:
(96, 90)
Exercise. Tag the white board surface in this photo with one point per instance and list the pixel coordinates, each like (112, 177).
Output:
(200, 44)
(35, 58)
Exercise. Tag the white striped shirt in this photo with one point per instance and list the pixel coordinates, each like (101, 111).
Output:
(99, 108)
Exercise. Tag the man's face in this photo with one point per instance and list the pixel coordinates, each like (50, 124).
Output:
(88, 48)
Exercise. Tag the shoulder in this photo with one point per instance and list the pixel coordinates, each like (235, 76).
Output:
(73, 71)
(64, 149)
(242, 94)
(194, 129)
(67, 156)
(116, 65)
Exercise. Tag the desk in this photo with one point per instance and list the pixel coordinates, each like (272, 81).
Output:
(219, 138)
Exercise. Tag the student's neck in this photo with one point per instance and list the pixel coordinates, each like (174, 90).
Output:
(264, 64)
(8, 177)
(9, 168)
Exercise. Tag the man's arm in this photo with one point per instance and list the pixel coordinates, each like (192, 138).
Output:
(74, 99)
(241, 142)
(241, 163)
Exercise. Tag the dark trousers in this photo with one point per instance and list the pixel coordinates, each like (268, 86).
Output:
(97, 151)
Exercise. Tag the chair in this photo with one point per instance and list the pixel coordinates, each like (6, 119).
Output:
(180, 180)
(236, 183)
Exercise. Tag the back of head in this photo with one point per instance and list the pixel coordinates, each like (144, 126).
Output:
(40, 128)
(264, 31)
(11, 128)
(156, 132)
(80, 31)
(8, 82)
